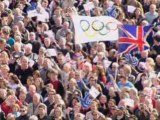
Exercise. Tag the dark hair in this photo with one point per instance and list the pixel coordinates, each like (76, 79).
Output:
(14, 78)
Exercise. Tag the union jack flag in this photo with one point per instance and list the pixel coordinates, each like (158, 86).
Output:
(133, 38)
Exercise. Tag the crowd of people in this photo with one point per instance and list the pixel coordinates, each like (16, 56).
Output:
(44, 75)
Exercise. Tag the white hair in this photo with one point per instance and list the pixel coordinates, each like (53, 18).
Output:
(33, 117)
(28, 46)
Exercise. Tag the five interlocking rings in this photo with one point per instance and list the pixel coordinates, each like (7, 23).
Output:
(97, 26)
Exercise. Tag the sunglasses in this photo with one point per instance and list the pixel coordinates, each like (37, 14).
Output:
(22, 110)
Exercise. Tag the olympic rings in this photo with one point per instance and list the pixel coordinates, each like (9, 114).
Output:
(97, 25)
(104, 31)
(102, 28)
(90, 33)
(84, 25)
(112, 26)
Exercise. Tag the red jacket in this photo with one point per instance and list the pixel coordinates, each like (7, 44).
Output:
(8, 109)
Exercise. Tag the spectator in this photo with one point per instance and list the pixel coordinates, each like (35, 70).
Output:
(24, 70)
(24, 113)
(152, 14)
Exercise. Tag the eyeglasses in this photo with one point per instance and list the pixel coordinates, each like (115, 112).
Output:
(22, 110)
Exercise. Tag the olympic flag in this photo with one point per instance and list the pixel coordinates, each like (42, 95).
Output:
(91, 29)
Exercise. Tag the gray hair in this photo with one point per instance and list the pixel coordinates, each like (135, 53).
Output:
(33, 117)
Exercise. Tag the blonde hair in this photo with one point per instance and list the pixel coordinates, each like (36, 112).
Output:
(6, 30)
(150, 61)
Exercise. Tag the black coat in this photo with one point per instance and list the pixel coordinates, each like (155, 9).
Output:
(25, 117)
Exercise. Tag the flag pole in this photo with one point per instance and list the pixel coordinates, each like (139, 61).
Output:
(116, 72)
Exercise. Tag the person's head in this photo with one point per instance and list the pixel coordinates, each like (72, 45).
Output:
(53, 74)
(138, 11)
(154, 114)
(101, 47)
(23, 2)
(150, 64)
(78, 47)
(111, 103)
(94, 106)
(39, 83)
(22, 94)
(49, 87)
(51, 94)
(87, 67)
(123, 79)
(3, 94)
(42, 51)
(58, 11)
(58, 112)
(32, 89)
(98, 11)
(3, 83)
(47, 41)
(133, 93)
(144, 54)
(32, 36)
(127, 70)
(69, 36)
(14, 79)
(78, 75)
(152, 8)
(15, 107)
(67, 67)
(57, 98)
(24, 62)
(23, 110)
(66, 25)
(11, 99)
(20, 25)
(114, 66)
(101, 56)
(58, 21)
(4, 58)
(42, 109)
(77, 107)
(11, 116)
(36, 74)
(158, 60)
(30, 80)
(96, 115)
(93, 80)
(4, 70)
(2, 6)
(120, 111)
(18, 38)
(17, 12)
(28, 49)
(2, 43)
(44, 3)
(103, 99)
(46, 62)
(33, 117)
(36, 98)
(45, 27)
(17, 46)
(106, 4)
(5, 32)
(61, 59)
(72, 83)
(62, 42)
(79, 116)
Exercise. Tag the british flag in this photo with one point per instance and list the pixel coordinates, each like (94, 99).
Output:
(133, 38)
